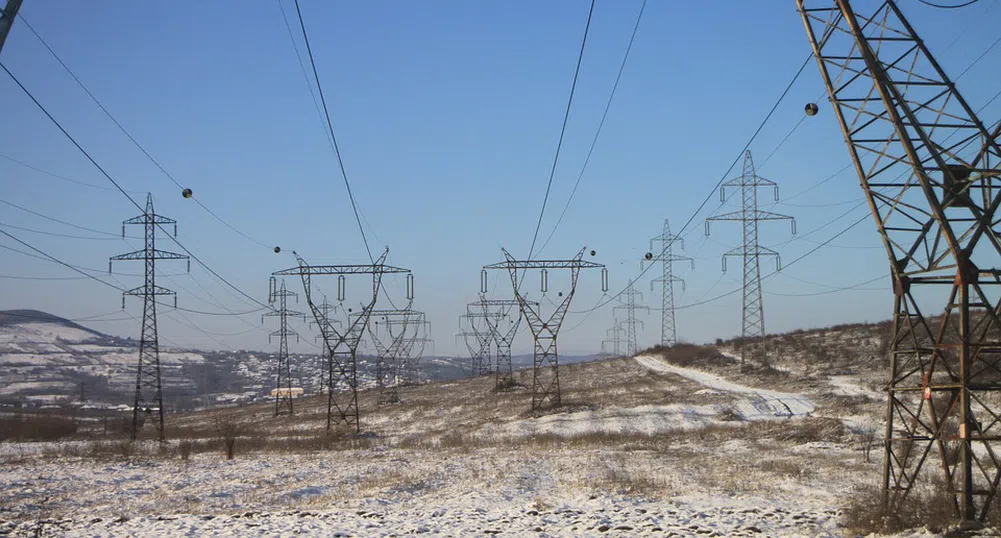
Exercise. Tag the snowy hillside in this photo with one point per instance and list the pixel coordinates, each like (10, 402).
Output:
(49, 361)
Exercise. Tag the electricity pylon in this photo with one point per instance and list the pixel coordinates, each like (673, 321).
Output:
(283, 394)
(415, 332)
(628, 303)
(545, 363)
(474, 349)
(341, 346)
(750, 252)
(666, 257)
(484, 333)
(480, 354)
(615, 334)
(390, 347)
(931, 172)
(7, 16)
(503, 337)
(411, 371)
(148, 401)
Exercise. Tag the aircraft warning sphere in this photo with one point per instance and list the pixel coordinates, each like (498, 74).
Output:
(278, 249)
(593, 253)
(648, 255)
(186, 193)
(811, 109)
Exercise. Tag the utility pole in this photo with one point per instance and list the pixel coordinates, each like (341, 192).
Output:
(545, 363)
(503, 339)
(750, 252)
(628, 303)
(931, 173)
(341, 346)
(7, 17)
(283, 394)
(148, 401)
(666, 257)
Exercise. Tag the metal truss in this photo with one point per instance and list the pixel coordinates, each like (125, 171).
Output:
(666, 257)
(628, 303)
(341, 345)
(929, 169)
(750, 252)
(148, 400)
(545, 365)
(503, 338)
(283, 381)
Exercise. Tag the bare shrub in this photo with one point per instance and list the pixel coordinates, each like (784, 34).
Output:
(866, 514)
(730, 414)
(867, 439)
(34, 427)
(229, 431)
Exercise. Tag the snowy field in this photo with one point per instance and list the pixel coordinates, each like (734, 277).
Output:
(643, 448)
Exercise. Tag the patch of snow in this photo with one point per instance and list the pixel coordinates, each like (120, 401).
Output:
(758, 403)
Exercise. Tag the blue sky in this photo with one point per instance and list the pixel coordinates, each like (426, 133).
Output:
(447, 114)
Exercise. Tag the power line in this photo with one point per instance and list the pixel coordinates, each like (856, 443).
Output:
(128, 134)
(117, 185)
(53, 219)
(601, 124)
(563, 130)
(330, 127)
(57, 176)
(943, 6)
(56, 234)
(602, 303)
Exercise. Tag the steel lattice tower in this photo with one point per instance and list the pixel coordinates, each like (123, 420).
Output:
(666, 257)
(930, 171)
(485, 333)
(148, 401)
(545, 370)
(474, 350)
(503, 338)
(628, 300)
(283, 377)
(341, 346)
(615, 339)
(7, 17)
(750, 252)
(390, 355)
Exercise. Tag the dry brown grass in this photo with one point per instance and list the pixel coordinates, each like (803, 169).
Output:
(864, 512)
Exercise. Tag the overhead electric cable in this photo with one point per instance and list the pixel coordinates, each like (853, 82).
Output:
(119, 187)
(330, 127)
(563, 130)
(601, 124)
(129, 135)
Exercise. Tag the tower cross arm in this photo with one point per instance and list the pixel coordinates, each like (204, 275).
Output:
(156, 255)
(143, 291)
(340, 270)
(543, 264)
(149, 219)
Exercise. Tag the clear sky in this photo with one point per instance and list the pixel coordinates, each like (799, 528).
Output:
(448, 115)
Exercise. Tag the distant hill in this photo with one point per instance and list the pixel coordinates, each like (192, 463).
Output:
(18, 317)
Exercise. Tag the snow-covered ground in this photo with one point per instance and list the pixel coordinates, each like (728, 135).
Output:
(643, 448)
(439, 493)
(755, 403)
